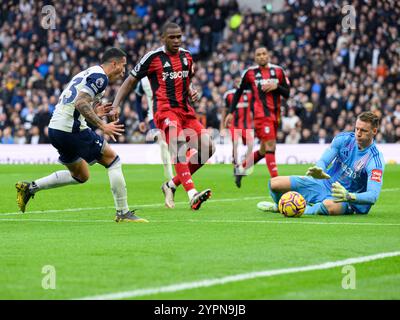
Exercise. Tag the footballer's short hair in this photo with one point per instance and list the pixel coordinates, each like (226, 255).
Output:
(370, 117)
(260, 47)
(169, 25)
(112, 53)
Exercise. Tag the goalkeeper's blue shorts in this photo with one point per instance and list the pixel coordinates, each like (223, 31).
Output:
(318, 190)
(313, 190)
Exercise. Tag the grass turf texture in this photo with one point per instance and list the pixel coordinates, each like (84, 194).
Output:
(94, 255)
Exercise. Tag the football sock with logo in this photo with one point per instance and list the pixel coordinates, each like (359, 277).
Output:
(318, 208)
(252, 159)
(271, 163)
(193, 167)
(55, 180)
(191, 193)
(171, 184)
(118, 186)
(183, 173)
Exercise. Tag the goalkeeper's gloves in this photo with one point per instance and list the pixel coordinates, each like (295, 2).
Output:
(317, 173)
(340, 193)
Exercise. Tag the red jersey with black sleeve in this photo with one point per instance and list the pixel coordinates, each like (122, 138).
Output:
(169, 77)
(266, 104)
(242, 118)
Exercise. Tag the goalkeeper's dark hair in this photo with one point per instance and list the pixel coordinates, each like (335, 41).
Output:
(112, 54)
(370, 117)
(169, 25)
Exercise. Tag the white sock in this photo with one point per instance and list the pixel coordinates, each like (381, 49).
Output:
(56, 179)
(118, 187)
(171, 184)
(191, 193)
(166, 158)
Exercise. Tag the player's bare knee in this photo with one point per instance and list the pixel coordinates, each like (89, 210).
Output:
(274, 183)
(109, 157)
(280, 184)
(81, 177)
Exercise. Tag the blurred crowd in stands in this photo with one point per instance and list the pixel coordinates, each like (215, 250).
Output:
(336, 70)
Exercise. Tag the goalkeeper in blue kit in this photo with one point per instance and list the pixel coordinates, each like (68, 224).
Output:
(347, 179)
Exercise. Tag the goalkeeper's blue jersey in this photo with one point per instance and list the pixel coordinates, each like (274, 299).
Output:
(359, 171)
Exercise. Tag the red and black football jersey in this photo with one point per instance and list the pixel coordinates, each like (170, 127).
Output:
(169, 77)
(266, 104)
(242, 118)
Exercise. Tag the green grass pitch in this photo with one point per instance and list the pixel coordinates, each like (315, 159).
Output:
(72, 229)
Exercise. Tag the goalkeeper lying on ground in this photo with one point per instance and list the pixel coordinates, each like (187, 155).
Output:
(351, 184)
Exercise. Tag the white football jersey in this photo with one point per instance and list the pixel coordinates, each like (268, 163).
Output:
(144, 88)
(92, 81)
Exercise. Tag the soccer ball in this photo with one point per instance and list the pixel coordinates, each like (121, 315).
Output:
(292, 204)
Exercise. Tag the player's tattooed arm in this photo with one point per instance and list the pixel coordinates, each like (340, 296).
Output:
(84, 104)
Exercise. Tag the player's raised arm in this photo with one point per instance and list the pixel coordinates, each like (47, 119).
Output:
(128, 85)
(138, 72)
(84, 103)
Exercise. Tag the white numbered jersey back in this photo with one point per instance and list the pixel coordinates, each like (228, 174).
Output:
(92, 81)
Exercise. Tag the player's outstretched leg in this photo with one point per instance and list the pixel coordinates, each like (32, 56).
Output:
(26, 190)
(199, 198)
(23, 194)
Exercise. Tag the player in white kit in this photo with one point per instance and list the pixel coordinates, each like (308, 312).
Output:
(77, 144)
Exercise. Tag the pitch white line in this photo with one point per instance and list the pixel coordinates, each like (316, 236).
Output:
(55, 220)
(286, 221)
(238, 277)
(149, 205)
(292, 221)
(55, 211)
(390, 190)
